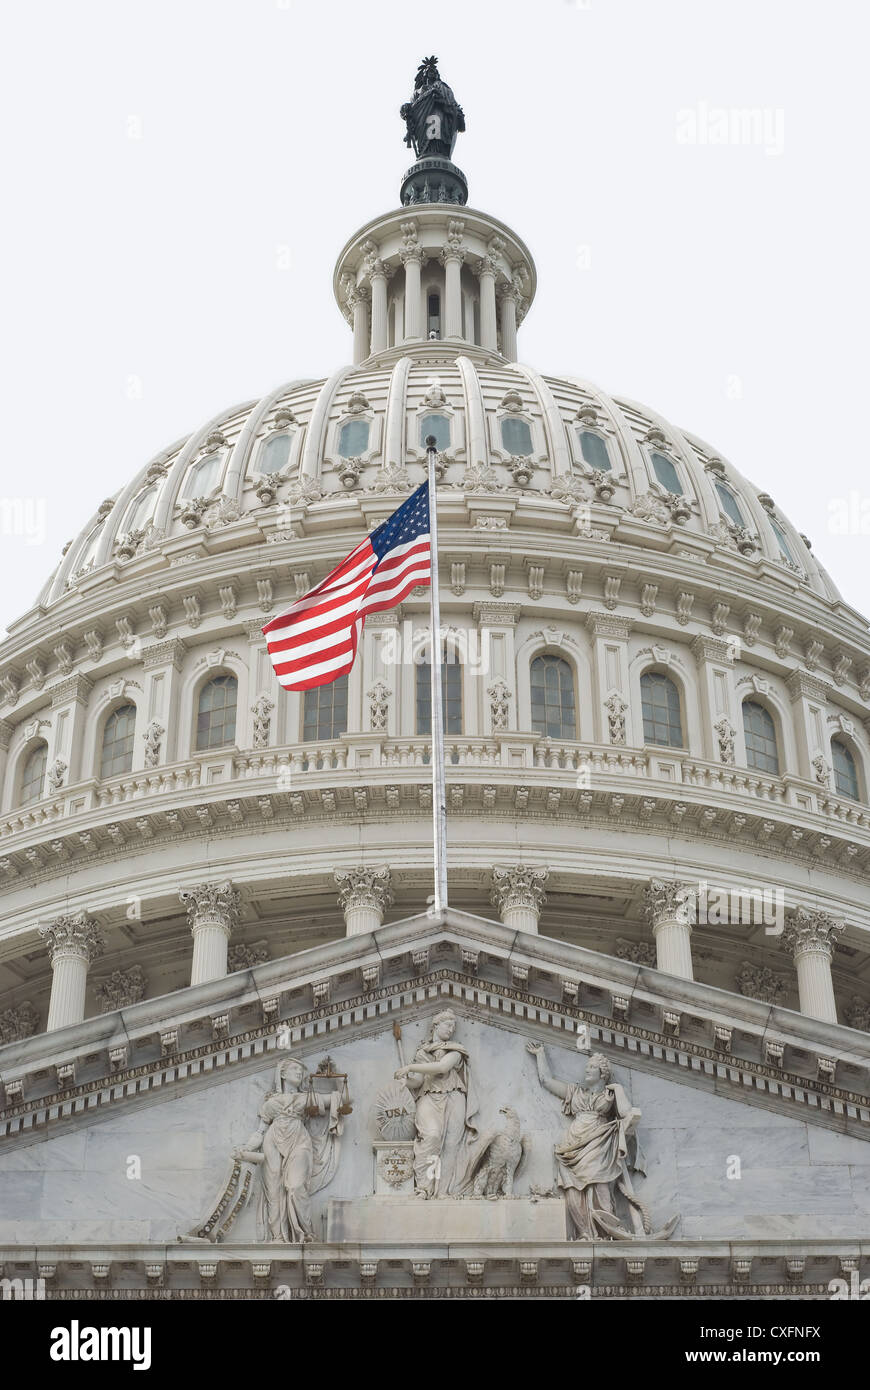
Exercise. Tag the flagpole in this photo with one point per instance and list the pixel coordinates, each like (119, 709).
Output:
(439, 795)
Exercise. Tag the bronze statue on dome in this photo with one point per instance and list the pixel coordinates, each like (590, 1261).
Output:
(433, 117)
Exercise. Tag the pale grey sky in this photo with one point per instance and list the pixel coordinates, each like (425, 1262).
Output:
(164, 159)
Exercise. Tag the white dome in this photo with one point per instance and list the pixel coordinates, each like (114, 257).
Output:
(295, 431)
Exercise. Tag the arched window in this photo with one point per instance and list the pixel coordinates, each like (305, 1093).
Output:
(324, 711)
(433, 315)
(783, 544)
(594, 450)
(516, 437)
(667, 474)
(33, 774)
(660, 707)
(438, 425)
(205, 475)
(216, 713)
(451, 695)
(845, 771)
(274, 453)
(729, 504)
(353, 438)
(141, 510)
(553, 704)
(760, 731)
(117, 752)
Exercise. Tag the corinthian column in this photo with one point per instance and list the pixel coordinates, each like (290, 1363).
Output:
(812, 937)
(508, 301)
(358, 298)
(378, 277)
(364, 897)
(212, 911)
(451, 258)
(486, 272)
(73, 941)
(413, 260)
(669, 910)
(518, 893)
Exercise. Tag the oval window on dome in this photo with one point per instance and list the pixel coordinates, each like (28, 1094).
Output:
(438, 425)
(141, 510)
(516, 437)
(594, 450)
(205, 475)
(845, 771)
(274, 453)
(353, 438)
(667, 474)
(783, 544)
(729, 504)
(89, 554)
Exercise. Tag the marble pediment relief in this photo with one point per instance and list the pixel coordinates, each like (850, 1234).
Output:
(487, 1134)
(430, 1142)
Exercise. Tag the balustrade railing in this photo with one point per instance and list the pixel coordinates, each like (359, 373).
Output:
(588, 765)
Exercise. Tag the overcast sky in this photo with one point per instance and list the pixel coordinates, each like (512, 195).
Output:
(180, 177)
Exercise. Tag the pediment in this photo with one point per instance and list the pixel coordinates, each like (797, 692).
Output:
(744, 1169)
(700, 1036)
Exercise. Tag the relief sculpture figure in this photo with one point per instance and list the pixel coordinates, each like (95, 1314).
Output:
(293, 1163)
(445, 1113)
(597, 1154)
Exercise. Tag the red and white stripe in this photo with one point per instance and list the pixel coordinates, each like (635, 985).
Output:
(316, 640)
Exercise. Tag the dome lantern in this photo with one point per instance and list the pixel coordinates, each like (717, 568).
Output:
(435, 271)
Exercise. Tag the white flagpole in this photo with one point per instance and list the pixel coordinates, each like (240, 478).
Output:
(439, 795)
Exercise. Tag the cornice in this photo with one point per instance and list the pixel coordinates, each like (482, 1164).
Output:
(638, 1017)
(317, 1271)
(537, 794)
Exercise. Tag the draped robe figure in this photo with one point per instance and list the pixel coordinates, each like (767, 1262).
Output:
(293, 1163)
(445, 1111)
(597, 1153)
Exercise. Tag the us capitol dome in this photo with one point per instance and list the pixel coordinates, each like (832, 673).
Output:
(651, 686)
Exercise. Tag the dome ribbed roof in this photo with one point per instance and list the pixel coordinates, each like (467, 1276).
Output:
(295, 432)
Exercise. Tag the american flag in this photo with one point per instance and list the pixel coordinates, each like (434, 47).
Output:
(315, 641)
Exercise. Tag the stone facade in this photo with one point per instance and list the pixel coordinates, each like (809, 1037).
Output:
(657, 755)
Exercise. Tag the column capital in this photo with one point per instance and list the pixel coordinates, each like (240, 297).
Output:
(72, 934)
(800, 684)
(364, 888)
(518, 886)
(487, 265)
(497, 614)
(666, 901)
(452, 253)
(812, 932)
(413, 255)
(167, 653)
(357, 294)
(706, 648)
(212, 905)
(76, 688)
(609, 625)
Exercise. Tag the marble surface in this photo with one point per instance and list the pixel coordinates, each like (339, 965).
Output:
(149, 1173)
(411, 1219)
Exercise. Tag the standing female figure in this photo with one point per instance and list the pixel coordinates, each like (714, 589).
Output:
(445, 1112)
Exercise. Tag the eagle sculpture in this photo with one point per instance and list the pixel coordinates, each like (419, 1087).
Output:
(496, 1159)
